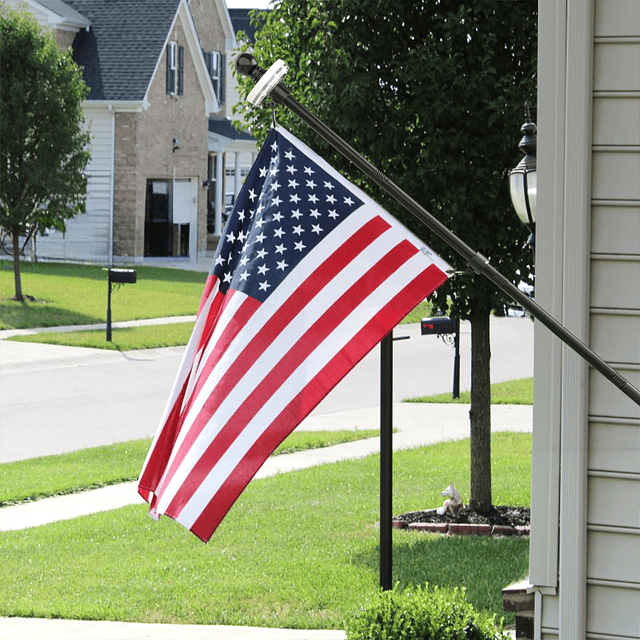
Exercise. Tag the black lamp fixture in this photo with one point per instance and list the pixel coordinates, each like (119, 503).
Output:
(523, 179)
(176, 144)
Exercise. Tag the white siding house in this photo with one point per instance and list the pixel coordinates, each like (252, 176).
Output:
(585, 530)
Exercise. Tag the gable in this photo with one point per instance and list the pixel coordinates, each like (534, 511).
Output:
(120, 52)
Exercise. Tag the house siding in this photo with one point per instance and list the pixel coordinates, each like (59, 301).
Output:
(611, 576)
(87, 235)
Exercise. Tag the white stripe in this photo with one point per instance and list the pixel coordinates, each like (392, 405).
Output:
(299, 379)
(307, 316)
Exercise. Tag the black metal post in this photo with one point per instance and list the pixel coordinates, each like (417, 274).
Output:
(110, 286)
(386, 461)
(456, 358)
(280, 93)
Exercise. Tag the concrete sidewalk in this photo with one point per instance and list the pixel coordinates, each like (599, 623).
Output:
(417, 424)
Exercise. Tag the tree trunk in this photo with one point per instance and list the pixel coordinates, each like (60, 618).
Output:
(480, 412)
(15, 237)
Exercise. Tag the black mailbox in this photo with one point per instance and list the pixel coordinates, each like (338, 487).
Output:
(436, 326)
(127, 276)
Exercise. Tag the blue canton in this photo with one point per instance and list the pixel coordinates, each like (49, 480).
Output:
(286, 206)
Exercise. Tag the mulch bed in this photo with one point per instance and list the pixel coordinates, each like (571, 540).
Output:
(500, 520)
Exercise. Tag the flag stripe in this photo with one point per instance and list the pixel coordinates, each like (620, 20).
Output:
(305, 401)
(283, 367)
(337, 339)
(203, 405)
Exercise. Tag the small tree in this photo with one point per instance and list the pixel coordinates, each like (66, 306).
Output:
(43, 144)
(432, 93)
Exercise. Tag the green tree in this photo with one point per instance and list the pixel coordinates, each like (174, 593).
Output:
(43, 144)
(432, 93)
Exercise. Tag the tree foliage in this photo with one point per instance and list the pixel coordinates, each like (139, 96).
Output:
(432, 93)
(43, 144)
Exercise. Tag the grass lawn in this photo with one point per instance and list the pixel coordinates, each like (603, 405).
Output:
(36, 478)
(510, 392)
(297, 550)
(69, 294)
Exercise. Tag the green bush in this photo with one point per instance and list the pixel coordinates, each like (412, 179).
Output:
(429, 613)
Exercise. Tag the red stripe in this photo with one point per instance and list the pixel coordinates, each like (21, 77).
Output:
(286, 366)
(244, 312)
(300, 406)
(272, 328)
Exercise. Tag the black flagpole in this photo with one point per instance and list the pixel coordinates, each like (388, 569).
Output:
(386, 461)
(268, 84)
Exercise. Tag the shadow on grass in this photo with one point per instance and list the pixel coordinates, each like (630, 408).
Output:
(483, 565)
(26, 314)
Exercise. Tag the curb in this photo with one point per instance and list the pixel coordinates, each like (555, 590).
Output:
(459, 529)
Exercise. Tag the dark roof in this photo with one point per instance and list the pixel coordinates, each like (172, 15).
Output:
(120, 51)
(223, 127)
(241, 21)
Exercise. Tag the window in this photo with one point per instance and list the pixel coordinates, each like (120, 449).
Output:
(175, 69)
(216, 65)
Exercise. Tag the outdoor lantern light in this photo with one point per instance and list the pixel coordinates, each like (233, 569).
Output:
(522, 179)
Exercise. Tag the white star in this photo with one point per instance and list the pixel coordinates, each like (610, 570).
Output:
(252, 195)
(297, 230)
(348, 201)
(291, 168)
(227, 277)
(274, 146)
(289, 155)
(263, 172)
(260, 222)
(243, 261)
(299, 246)
(241, 215)
(315, 213)
(261, 253)
(263, 286)
(275, 185)
(282, 265)
(276, 201)
(260, 237)
(219, 260)
(328, 185)
(311, 184)
(280, 248)
(331, 199)
(308, 170)
(273, 171)
(293, 184)
(231, 237)
(277, 216)
(262, 269)
(313, 198)
(296, 214)
(294, 197)
(242, 236)
(278, 233)
(244, 276)
(333, 214)
(316, 228)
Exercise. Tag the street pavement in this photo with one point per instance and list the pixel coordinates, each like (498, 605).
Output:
(35, 373)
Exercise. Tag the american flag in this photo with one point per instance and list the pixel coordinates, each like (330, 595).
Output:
(310, 274)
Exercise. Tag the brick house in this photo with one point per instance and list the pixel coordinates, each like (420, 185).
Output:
(157, 78)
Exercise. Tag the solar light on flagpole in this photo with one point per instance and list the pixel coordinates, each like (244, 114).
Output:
(523, 179)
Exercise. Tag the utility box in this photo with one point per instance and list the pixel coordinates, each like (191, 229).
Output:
(437, 326)
(124, 276)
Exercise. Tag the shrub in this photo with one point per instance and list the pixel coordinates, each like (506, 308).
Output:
(429, 613)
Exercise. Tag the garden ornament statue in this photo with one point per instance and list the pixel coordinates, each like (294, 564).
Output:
(453, 505)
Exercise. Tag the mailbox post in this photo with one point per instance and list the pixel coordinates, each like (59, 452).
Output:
(449, 330)
(118, 277)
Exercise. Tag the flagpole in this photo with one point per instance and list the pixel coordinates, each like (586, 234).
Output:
(268, 84)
